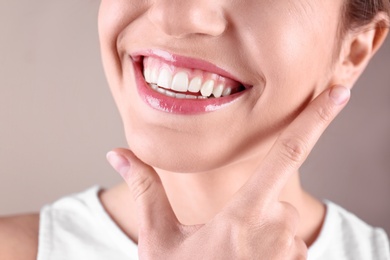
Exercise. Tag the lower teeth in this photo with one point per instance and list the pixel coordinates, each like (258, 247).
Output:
(173, 94)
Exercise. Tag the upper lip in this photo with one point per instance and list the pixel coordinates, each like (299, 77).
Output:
(185, 62)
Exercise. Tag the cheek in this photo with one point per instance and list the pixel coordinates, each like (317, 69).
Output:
(295, 58)
(111, 21)
(290, 43)
(115, 16)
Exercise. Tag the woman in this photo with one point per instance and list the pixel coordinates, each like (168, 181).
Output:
(224, 101)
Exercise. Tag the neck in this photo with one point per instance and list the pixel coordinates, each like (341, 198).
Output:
(197, 198)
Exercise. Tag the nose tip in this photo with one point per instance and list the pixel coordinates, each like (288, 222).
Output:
(183, 18)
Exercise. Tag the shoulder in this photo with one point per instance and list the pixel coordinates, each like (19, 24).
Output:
(16, 231)
(372, 241)
(345, 236)
(355, 228)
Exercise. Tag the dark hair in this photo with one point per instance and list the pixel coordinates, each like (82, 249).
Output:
(358, 13)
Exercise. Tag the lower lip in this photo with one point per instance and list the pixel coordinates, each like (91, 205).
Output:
(179, 106)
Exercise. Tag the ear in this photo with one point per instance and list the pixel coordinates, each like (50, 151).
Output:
(358, 47)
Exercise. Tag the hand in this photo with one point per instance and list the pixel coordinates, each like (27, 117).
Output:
(255, 224)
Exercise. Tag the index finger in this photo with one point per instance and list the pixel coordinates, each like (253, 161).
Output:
(293, 146)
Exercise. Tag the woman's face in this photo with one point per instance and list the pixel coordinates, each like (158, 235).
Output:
(257, 62)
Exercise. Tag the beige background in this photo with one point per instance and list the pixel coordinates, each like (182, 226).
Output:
(57, 118)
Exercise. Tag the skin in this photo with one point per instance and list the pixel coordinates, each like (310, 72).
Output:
(273, 102)
(201, 177)
(254, 224)
(251, 178)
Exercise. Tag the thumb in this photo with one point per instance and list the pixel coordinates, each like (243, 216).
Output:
(154, 210)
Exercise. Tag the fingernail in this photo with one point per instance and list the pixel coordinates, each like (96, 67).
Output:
(340, 94)
(119, 163)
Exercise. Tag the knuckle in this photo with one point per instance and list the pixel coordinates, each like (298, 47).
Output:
(241, 219)
(291, 212)
(285, 239)
(325, 113)
(140, 184)
(301, 249)
(284, 230)
(294, 149)
(238, 227)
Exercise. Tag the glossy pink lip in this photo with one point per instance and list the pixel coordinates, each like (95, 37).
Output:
(174, 105)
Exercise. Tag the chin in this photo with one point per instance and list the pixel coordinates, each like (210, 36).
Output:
(176, 157)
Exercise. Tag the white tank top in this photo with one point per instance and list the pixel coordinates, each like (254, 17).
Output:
(77, 227)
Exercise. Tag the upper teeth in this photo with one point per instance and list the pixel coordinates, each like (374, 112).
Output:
(160, 75)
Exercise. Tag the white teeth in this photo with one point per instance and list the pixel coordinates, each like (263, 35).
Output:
(165, 79)
(147, 75)
(154, 76)
(180, 82)
(178, 95)
(226, 92)
(217, 92)
(207, 88)
(190, 97)
(169, 93)
(172, 94)
(160, 90)
(195, 85)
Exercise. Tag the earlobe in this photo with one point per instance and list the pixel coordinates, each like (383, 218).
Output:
(358, 48)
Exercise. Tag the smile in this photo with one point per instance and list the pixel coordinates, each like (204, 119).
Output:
(183, 85)
(187, 83)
